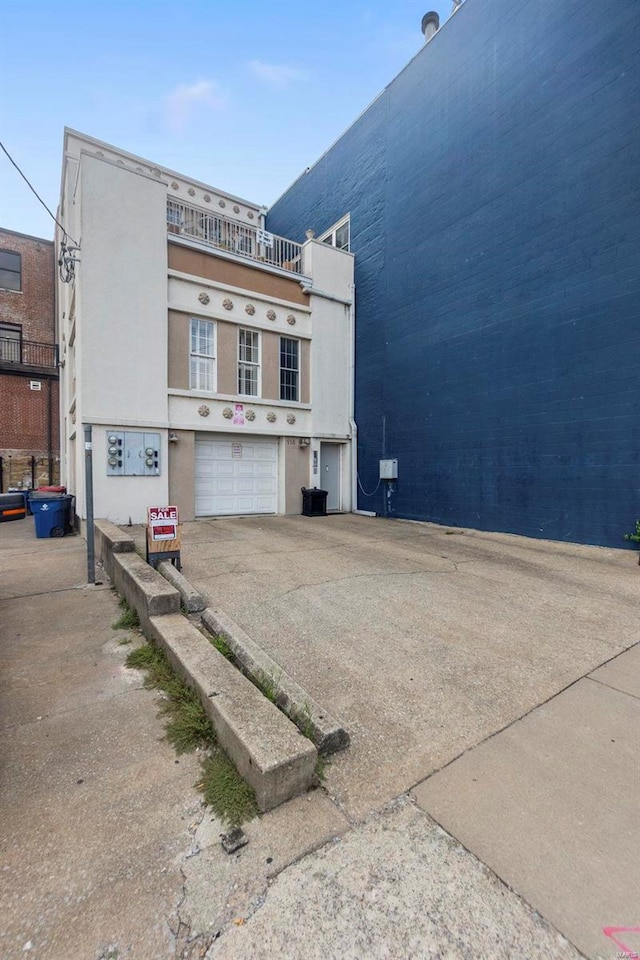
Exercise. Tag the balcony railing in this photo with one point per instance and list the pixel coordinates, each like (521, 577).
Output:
(28, 353)
(233, 236)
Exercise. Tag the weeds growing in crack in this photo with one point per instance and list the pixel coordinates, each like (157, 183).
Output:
(128, 619)
(187, 725)
(232, 800)
(221, 645)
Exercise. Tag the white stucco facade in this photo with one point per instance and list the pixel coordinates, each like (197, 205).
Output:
(126, 325)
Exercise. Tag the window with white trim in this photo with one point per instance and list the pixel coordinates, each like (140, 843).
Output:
(289, 369)
(248, 362)
(202, 355)
(339, 234)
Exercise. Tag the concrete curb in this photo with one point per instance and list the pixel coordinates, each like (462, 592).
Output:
(191, 599)
(267, 749)
(326, 733)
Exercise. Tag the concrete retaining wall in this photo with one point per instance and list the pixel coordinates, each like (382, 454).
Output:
(267, 749)
(109, 540)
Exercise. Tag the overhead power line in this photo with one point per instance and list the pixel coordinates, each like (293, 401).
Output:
(35, 192)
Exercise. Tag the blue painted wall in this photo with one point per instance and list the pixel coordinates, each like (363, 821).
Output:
(494, 192)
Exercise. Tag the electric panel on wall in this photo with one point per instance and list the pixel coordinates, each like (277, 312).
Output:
(133, 454)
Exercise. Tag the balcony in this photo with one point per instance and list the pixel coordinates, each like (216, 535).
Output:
(28, 356)
(232, 236)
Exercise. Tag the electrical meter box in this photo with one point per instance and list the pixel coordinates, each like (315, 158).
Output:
(132, 454)
(388, 469)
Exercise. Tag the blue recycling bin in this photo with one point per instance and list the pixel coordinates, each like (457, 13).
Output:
(50, 515)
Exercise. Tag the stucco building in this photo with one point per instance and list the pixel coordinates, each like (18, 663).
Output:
(28, 362)
(212, 360)
(492, 192)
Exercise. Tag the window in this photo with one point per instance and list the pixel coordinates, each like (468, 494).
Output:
(339, 234)
(248, 362)
(201, 358)
(10, 270)
(10, 343)
(289, 369)
(174, 215)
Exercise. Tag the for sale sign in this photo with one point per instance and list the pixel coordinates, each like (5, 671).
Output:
(162, 530)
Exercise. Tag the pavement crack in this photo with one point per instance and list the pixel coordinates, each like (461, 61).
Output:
(366, 576)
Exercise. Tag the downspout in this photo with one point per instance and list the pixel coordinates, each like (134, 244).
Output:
(49, 433)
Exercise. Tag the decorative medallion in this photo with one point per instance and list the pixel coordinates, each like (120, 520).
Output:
(174, 185)
(250, 309)
(155, 171)
(236, 209)
(221, 203)
(191, 192)
(204, 410)
(139, 170)
(120, 163)
(250, 415)
(291, 418)
(227, 304)
(291, 319)
(271, 314)
(271, 417)
(99, 153)
(207, 198)
(204, 298)
(227, 413)
(250, 214)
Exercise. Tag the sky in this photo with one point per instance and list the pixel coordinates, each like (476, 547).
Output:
(240, 94)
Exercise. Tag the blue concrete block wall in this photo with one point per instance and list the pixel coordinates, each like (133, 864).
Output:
(494, 193)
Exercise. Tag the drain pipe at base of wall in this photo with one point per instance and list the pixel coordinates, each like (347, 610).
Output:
(352, 407)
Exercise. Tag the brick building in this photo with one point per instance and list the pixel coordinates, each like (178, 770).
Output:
(29, 446)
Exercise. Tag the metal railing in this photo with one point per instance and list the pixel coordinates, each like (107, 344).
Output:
(239, 238)
(29, 353)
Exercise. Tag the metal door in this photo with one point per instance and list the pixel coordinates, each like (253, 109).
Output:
(330, 456)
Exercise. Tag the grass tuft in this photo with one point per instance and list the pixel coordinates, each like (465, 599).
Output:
(269, 685)
(128, 619)
(221, 645)
(187, 726)
(232, 800)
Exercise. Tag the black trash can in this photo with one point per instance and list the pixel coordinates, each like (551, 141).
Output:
(314, 502)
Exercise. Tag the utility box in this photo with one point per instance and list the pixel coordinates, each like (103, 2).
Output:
(133, 454)
(389, 469)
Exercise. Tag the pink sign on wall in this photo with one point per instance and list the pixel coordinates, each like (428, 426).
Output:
(238, 414)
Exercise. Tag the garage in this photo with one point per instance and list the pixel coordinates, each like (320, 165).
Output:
(236, 475)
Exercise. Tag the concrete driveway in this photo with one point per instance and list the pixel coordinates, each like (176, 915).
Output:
(422, 642)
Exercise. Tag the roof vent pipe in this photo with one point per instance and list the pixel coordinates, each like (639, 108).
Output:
(430, 24)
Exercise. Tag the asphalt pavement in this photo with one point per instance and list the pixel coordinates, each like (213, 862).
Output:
(507, 828)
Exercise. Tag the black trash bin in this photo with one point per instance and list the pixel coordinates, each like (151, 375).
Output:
(314, 502)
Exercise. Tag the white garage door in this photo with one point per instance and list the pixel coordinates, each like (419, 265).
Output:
(235, 476)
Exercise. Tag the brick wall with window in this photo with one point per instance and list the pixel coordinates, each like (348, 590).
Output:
(33, 305)
(28, 396)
